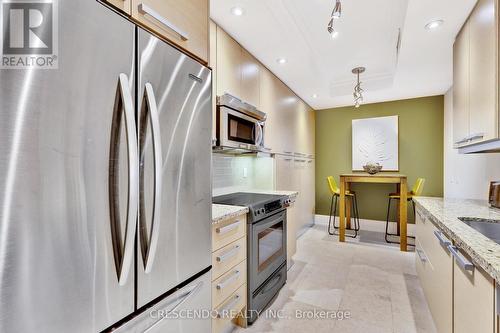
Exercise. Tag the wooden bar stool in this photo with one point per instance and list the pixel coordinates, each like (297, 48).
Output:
(351, 198)
(416, 190)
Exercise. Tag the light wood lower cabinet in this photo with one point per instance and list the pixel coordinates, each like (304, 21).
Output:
(184, 23)
(474, 300)
(291, 234)
(460, 300)
(435, 269)
(229, 273)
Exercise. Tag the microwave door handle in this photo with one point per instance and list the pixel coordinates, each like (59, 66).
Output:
(154, 121)
(259, 135)
(124, 253)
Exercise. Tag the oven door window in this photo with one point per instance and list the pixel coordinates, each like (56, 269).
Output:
(270, 245)
(241, 130)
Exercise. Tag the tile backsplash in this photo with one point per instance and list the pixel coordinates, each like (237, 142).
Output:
(241, 173)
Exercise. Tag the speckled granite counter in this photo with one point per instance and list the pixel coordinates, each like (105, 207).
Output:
(444, 214)
(224, 212)
(273, 192)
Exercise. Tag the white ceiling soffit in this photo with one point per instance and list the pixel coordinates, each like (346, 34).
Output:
(368, 36)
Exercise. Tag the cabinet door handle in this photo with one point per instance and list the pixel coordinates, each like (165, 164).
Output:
(228, 281)
(146, 10)
(460, 259)
(229, 254)
(228, 228)
(226, 309)
(422, 216)
(442, 239)
(421, 255)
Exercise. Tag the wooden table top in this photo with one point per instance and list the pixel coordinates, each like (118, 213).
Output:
(380, 174)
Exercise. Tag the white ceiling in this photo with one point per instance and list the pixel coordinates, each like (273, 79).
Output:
(368, 35)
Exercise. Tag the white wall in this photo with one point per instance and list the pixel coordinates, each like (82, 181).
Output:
(241, 173)
(465, 176)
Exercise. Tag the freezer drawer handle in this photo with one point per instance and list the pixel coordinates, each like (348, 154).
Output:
(225, 311)
(123, 251)
(228, 228)
(229, 254)
(460, 259)
(146, 10)
(177, 303)
(228, 281)
(442, 239)
(149, 115)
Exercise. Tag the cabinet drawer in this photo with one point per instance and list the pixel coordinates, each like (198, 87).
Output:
(228, 257)
(184, 23)
(225, 285)
(229, 309)
(226, 232)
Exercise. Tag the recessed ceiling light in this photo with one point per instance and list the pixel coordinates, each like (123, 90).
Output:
(433, 25)
(314, 96)
(281, 61)
(237, 11)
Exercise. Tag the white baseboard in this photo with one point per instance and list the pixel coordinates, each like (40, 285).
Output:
(370, 225)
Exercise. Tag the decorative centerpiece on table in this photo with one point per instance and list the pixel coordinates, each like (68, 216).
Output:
(372, 168)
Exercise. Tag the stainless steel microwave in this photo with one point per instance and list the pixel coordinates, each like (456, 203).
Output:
(240, 126)
(494, 197)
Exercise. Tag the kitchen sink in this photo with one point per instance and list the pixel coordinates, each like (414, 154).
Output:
(489, 228)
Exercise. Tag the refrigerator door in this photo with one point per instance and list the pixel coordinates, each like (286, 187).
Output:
(57, 255)
(187, 310)
(175, 124)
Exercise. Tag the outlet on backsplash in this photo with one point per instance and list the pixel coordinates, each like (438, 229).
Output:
(241, 173)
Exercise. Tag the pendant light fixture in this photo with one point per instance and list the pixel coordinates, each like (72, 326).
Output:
(358, 91)
(336, 14)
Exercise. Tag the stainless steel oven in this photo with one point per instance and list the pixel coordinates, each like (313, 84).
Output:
(267, 240)
(239, 125)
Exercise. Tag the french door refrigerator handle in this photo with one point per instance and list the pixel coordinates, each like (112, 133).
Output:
(124, 253)
(149, 254)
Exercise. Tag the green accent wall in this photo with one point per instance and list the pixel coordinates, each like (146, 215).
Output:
(421, 126)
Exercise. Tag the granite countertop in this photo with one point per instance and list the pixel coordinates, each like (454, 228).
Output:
(224, 212)
(444, 213)
(291, 194)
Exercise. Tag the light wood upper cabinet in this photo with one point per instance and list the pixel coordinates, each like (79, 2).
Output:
(184, 23)
(475, 81)
(250, 79)
(212, 62)
(461, 81)
(228, 65)
(123, 5)
(483, 87)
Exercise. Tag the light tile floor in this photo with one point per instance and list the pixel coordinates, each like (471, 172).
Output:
(375, 285)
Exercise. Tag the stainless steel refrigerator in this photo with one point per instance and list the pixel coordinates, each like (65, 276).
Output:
(105, 195)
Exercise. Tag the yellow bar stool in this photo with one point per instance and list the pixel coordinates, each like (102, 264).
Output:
(416, 190)
(351, 198)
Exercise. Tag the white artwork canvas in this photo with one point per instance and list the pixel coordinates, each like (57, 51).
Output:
(375, 140)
